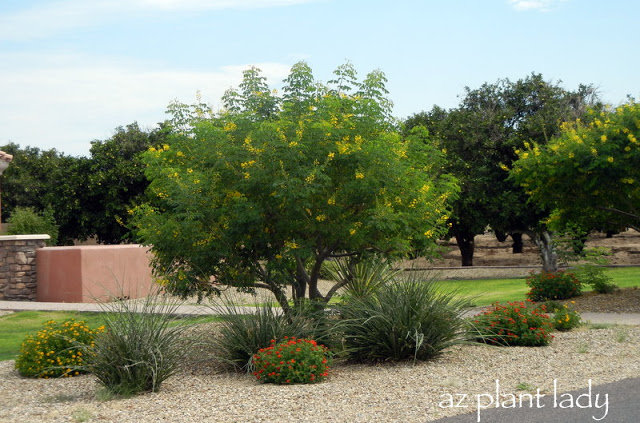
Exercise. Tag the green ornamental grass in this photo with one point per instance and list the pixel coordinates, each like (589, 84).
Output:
(143, 344)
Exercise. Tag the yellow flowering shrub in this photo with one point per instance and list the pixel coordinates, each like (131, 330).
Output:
(53, 351)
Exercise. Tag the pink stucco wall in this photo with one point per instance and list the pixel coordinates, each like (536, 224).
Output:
(92, 273)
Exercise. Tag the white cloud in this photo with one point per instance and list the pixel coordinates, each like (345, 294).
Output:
(540, 5)
(65, 102)
(51, 18)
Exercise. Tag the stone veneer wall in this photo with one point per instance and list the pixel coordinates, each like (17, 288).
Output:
(18, 277)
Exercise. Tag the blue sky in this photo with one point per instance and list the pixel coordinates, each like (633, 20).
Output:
(71, 71)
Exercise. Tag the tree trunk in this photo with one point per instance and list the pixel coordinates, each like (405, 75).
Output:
(518, 245)
(544, 242)
(466, 245)
(501, 236)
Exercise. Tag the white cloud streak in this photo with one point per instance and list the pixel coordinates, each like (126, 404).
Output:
(538, 5)
(75, 100)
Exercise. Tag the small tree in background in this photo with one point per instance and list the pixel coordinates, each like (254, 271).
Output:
(25, 221)
(258, 198)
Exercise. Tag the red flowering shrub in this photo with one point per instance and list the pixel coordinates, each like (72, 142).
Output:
(292, 361)
(558, 285)
(515, 324)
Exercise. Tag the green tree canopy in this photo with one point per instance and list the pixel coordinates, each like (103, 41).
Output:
(46, 181)
(480, 138)
(590, 173)
(115, 182)
(263, 202)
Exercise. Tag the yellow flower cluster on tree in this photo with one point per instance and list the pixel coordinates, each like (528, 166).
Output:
(588, 173)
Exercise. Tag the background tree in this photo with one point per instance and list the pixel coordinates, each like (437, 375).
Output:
(589, 173)
(114, 182)
(46, 181)
(480, 139)
(262, 203)
(88, 197)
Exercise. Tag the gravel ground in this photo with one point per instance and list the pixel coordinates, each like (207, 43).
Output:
(354, 393)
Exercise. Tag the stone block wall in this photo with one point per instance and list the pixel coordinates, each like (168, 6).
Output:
(18, 277)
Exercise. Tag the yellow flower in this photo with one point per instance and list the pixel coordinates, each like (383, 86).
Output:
(352, 231)
(321, 218)
(291, 245)
(331, 201)
(603, 138)
(359, 175)
(610, 159)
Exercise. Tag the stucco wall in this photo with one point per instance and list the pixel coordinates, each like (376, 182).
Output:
(93, 273)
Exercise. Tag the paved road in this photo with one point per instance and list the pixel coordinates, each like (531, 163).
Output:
(617, 402)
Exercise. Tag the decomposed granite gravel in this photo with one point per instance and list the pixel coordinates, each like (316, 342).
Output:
(401, 392)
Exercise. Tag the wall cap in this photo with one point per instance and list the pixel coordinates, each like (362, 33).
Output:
(24, 237)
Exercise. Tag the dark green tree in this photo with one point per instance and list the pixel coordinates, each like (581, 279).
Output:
(46, 181)
(481, 138)
(115, 182)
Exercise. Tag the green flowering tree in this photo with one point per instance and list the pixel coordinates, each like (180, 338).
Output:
(260, 200)
(589, 173)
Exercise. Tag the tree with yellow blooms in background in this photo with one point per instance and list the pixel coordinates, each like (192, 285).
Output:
(589, 174)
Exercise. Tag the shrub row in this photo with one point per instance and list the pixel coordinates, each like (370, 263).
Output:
(405, 318)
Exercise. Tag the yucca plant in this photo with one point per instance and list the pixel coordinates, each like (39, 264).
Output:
(362, 277)
(406, 318)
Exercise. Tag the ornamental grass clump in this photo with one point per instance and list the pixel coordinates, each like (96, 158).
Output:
(518, 323)
(143, 344)
(56, 350)
(558, 285)
(292, 361)
(405, 319)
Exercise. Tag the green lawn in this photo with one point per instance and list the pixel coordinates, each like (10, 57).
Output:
(16, 326)
(486, 291)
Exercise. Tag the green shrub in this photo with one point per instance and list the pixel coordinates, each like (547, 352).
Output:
(558, 285)
(292, 361)
(566, 318)
(514, 324)
(56, 349)
(241, 334)
(26, 221)
(142, 346)
(404, 319)
(590, 274)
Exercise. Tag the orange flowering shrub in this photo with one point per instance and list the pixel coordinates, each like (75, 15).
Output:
(558, 285)
(515, 324)
(292, 361)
